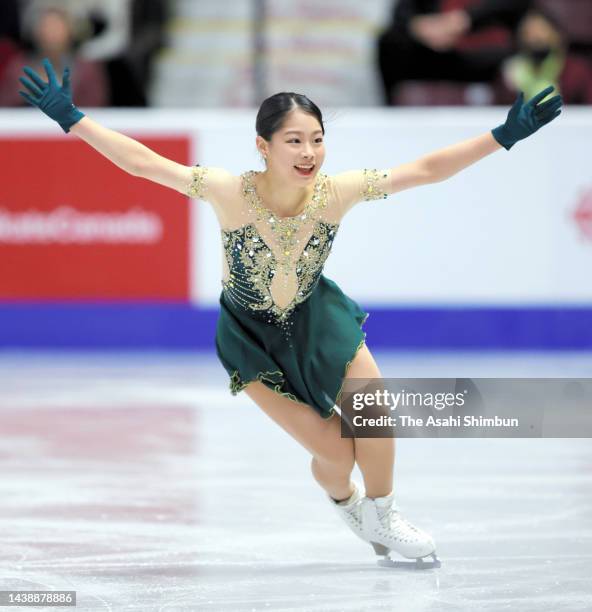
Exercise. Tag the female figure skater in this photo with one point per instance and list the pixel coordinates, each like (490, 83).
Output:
(286, 334)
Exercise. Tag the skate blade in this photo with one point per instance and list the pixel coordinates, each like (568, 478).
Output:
(418, 564)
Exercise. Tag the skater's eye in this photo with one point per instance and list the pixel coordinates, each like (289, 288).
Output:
(319, 140)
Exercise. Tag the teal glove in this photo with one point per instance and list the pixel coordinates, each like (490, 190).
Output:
(53, 100)
(525, 119)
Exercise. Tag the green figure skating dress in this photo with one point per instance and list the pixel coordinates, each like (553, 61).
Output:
(281, 321)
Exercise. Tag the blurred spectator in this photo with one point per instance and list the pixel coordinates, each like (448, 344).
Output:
(50, 31)
(127, 36)
(455, 40)
(544, 59)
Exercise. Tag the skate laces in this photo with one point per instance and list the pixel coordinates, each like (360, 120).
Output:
(390, 517)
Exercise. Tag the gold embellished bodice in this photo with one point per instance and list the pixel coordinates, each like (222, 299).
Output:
(271, 263)
(275, 262)
(254, 268)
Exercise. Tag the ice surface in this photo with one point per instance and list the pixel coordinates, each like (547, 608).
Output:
(139, 482)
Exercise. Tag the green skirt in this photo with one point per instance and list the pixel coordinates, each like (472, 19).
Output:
(310, 365)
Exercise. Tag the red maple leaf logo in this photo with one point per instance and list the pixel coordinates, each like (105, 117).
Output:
(582, 214)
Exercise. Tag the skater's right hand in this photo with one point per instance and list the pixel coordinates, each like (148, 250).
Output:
(53, 100)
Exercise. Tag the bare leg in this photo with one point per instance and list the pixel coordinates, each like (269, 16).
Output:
(332, 456)
(374, 456)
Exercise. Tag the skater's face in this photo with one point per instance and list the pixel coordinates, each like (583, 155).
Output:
(298, 142)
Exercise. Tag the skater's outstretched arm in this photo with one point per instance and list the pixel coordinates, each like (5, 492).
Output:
(55, 101)
(523, 120)
(132, 156)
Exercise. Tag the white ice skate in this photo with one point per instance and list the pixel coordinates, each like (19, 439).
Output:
(350, 511)
(385, 528)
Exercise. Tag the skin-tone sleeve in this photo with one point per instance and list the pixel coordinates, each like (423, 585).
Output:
(349, 188)
(211, 184)
(220, 188)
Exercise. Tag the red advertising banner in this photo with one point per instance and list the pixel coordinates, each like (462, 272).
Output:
(74, 226)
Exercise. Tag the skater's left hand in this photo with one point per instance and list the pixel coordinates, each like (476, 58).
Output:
(525, 119)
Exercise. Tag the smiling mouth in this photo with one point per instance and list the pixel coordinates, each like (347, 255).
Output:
(305, 169)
